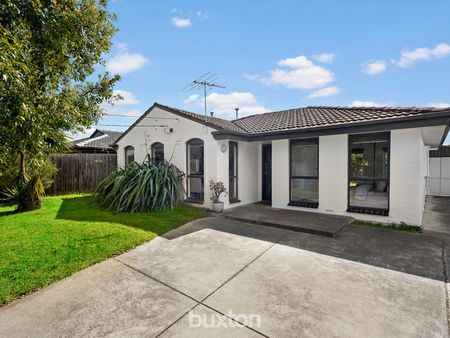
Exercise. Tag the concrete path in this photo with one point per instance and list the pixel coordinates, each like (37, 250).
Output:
(436, 217)
(211, 276)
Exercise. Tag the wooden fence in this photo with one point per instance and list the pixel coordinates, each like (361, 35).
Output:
(81, 172)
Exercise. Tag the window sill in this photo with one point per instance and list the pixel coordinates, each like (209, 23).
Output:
(304, 204)
(234, 200)
(368, 211)
(191, 200)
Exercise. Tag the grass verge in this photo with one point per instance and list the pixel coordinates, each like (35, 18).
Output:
(70, 233)
(390, 226)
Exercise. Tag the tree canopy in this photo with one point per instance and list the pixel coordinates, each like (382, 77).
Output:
(51, 79)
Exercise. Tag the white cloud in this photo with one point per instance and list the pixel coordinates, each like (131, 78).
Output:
(127, 97)
(441, 50)
(324, 57)
(408, 58)
(191, 99)
(327, 91)
(223, 105)
(439, 105)
(120, 107)
(375, 67)
(298, 73)
(368, 104)
(125, 62)
(180, 22)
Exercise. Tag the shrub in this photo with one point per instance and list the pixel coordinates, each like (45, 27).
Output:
(27, 196)
(9, 173)
(149, 186)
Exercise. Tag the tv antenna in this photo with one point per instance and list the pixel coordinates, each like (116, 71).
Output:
(206, 81)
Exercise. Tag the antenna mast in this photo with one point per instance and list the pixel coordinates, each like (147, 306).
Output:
(206, 81)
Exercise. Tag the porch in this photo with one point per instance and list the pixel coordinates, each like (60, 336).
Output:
(302, 221)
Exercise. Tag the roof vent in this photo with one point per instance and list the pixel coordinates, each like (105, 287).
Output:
(212, 114)
(237, 113)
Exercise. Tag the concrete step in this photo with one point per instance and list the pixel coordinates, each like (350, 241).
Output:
(301, 221)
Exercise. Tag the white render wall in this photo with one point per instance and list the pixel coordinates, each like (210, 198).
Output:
(408, 176)
(248, 179)
(408, 166)
(280, 174)
(408, 171)
(216, 161)
(141, 138)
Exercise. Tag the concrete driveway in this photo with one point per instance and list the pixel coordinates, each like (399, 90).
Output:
(208, 277)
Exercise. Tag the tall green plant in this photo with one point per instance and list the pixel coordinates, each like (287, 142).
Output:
(149, 186)
(48, 80)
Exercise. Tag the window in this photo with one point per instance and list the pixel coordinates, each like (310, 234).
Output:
(129, 154)
(368, 187)
(158, 152)
(233, 172)
(195, 171)
(304, 169)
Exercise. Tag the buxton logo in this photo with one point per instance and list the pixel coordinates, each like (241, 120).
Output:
(229, 320)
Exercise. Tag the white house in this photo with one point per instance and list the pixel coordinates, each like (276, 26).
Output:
(370, 163)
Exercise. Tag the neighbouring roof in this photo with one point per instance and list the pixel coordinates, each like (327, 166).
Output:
(100, 139)
(306, 119)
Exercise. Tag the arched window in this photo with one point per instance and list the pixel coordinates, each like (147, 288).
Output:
(129, 154)
(195, 170)
(158, 152)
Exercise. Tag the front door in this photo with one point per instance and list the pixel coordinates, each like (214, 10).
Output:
(267, 172)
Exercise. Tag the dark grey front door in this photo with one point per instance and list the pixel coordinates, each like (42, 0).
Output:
(267, 172)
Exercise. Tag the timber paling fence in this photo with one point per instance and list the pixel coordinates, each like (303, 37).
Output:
(80, 172)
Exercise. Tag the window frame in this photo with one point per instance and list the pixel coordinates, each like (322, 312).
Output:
(152, 148)
(189, 175)
(304, 202)
(125, 150)
(369, 210)
(234, 199)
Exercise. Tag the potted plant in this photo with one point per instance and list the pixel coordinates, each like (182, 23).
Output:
(217, 188)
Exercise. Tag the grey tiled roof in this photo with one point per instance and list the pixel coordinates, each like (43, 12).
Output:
(310, 117)
(306, 118)
(215, 121)
(320, 116)
(99, 139)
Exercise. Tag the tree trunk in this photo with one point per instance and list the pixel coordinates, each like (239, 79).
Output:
(30, 191)
(22, 169)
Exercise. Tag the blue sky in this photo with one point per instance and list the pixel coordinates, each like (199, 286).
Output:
(276, 55)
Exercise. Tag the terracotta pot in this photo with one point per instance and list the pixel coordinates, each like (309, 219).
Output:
(217, 207)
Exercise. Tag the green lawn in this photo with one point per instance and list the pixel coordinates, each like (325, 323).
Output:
(70, 233)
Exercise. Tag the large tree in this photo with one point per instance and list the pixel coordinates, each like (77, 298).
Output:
(50, 81)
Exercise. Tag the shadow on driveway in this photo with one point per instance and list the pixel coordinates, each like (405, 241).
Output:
(411, 253)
